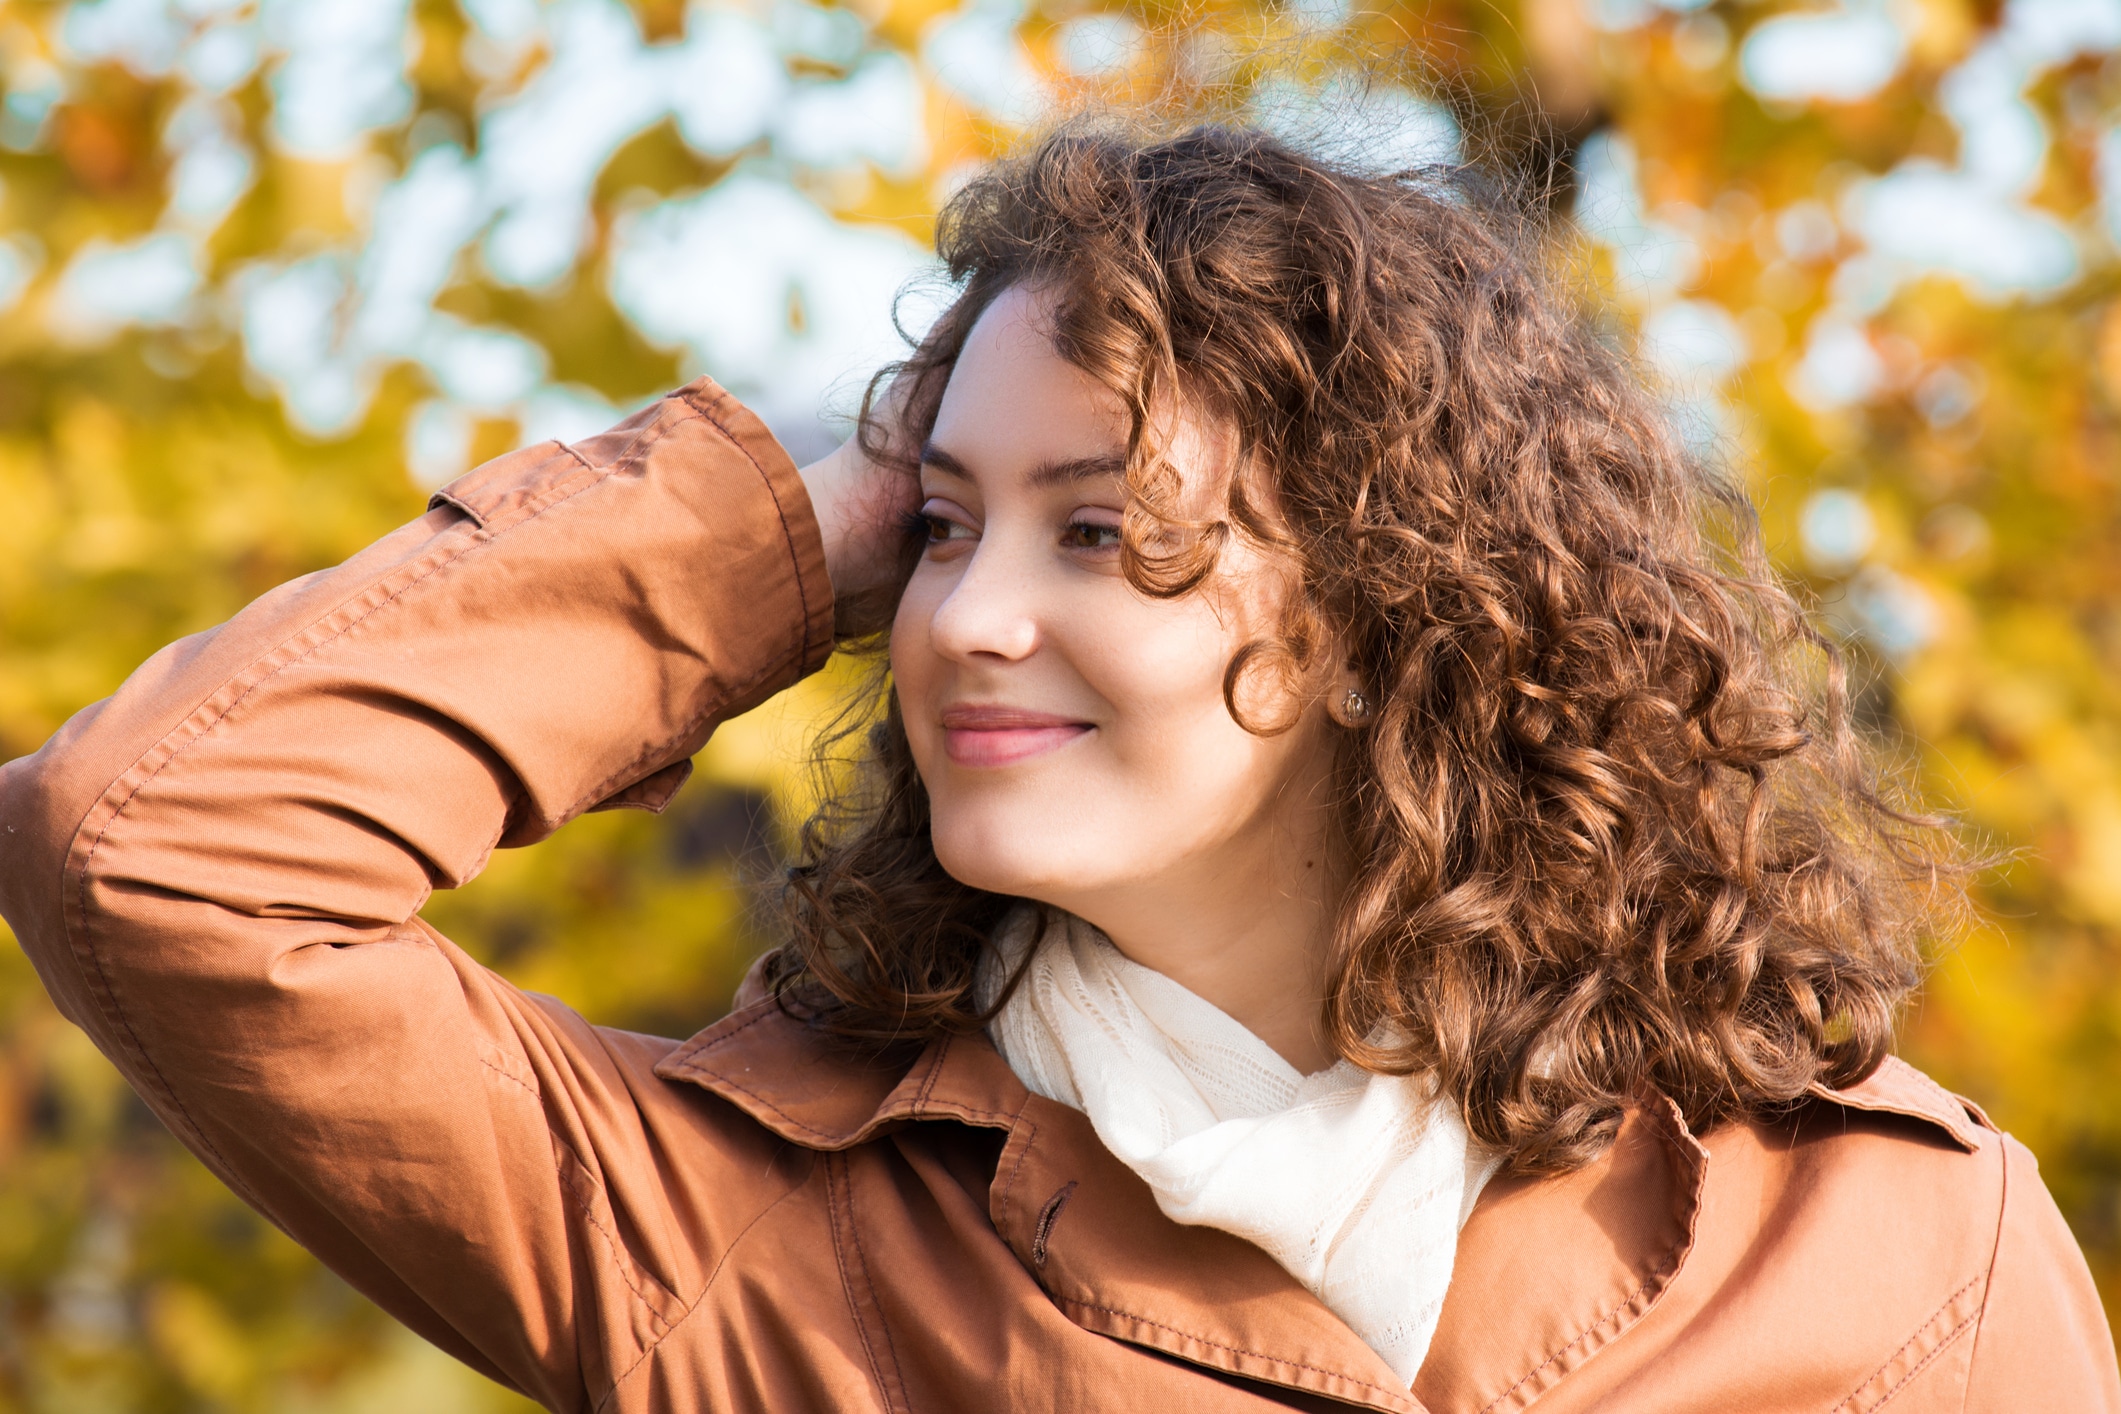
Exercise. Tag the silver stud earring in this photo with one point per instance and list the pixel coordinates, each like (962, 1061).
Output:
(1351, 709)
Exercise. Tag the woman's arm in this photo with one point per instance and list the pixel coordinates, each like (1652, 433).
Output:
(217, 872)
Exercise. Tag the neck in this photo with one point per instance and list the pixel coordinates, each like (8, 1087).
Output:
(1246, 931)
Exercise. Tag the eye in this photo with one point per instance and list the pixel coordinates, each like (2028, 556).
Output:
(941, 523)
(1083, 534)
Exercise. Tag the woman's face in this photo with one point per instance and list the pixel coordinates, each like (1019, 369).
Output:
(1072, 731)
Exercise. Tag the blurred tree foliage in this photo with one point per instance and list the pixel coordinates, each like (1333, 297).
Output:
(1935, 451)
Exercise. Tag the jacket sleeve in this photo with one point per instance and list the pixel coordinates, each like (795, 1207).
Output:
(217, 873)
(2043, 1341)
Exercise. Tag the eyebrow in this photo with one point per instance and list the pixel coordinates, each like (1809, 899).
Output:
(1046, 473)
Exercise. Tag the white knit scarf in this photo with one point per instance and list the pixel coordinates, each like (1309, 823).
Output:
(1356, 1183)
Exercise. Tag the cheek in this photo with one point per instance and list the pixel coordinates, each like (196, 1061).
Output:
(1191, 773)
(914, 667)
(1164, 681)
(1186, 776)
(1160, 663)
(1171, 765)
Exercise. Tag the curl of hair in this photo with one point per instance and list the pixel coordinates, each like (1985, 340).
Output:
(1610, 829)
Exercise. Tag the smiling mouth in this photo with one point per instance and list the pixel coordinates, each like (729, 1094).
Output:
(1002, 736)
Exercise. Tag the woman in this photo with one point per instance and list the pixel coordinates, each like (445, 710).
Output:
(1355, 899)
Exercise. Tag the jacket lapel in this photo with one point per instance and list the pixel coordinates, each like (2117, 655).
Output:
(1551, 1270)
(1089, 1230)
(1082, 1223)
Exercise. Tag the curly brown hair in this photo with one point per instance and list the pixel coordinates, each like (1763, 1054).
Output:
(1612, 832)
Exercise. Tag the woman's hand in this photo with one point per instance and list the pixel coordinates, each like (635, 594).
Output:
(862, 508)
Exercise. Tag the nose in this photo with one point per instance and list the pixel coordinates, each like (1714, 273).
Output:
(989, 614)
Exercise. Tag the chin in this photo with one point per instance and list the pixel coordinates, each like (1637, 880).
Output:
(1003, 853)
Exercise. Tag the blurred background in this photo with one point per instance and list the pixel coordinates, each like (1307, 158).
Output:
(271, 269)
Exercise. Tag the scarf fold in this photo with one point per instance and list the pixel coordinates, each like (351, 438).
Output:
(1356, 1183)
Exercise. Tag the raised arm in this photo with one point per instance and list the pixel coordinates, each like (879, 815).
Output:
(217, 872)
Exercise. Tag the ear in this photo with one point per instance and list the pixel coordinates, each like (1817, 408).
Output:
(1348, 699)
(1347, 696)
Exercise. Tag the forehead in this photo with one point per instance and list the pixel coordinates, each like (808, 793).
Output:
(1011, 389)
(1013, 406)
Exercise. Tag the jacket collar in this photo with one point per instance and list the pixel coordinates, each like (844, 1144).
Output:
(1896, 1087)
(1549, 1271)
(791, 1080)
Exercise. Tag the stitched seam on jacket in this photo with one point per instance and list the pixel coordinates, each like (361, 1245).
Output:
(884, 1386)
(1951, 1337)
(1951, 1103)
(686, 1055)
(1988, 1276)
(1238, 1349)
(1599, 1323)
(854, 1228)
(935, 1070)
(945, 1109)
(513, 1079)
(951, 1109)
(791, 1120)
(604, 1401)
(1016, 1169)
(833, 1166)
(1954, 1114)
(620, 1258)
(1920, 1331)
(1673, 1260)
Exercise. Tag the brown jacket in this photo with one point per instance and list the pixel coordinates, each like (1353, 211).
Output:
(218, 872)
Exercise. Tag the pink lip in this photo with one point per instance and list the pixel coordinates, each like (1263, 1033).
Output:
(1000, 736)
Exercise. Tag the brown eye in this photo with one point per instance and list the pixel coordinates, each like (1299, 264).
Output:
(1088, 535)
(938, 527)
